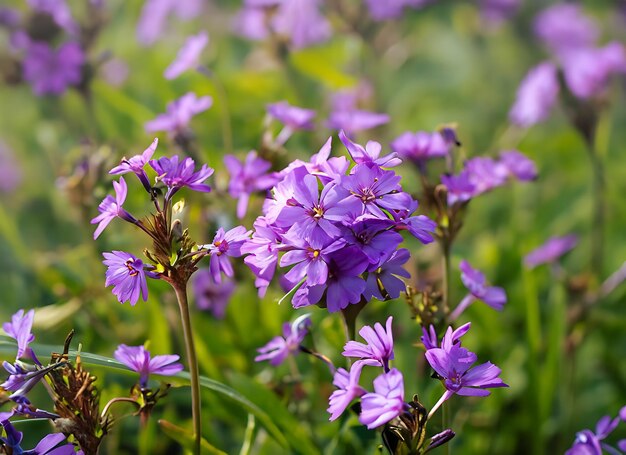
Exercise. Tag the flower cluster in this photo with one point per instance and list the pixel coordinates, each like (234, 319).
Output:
(339, 227)
(127, 273)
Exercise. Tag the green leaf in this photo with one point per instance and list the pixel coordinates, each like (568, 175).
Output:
(185, 438)
(296, 434)
(323, 63)
(282, 435)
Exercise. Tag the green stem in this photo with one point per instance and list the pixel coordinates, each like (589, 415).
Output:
(183, 304)
(445, 250)
(599, 215)
(445, 423)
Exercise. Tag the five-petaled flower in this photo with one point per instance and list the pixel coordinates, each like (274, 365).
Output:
(138, 359)
(127, 275)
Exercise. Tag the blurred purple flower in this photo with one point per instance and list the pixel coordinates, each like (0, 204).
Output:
(294, 117)
(225, 244)
(155, 14)
(497, 11)
(9, 17)
(476, 283)
(136, 165)
(420, 146)
(111, 208)
(550, 251)
(355, 120)
(20, 330)
(485, 174)
(188, 56)
(536, 95)
(588, 71)
(212, 296)
(127, 275)
(348, 388)
(250, 23)
(59, 11)
(564, 27)
(460, 188)
(589, 443)
(279, 348)
(370, 154)
(247, 178)
(51, 72)
(115, 71)
(381, 10)
(176, 175)
(301, 22)
(379, 347)
(138, 359)
(519, 165)
(179, 113)
(387, 401)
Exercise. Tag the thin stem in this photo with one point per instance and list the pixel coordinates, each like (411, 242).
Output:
(248, 436)
(467, 301)
(443, 398)
(105, 410)
(181, 296)
(319, 356)
(599, 212)
(445, 250)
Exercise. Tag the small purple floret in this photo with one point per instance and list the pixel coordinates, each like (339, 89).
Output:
(138, 359)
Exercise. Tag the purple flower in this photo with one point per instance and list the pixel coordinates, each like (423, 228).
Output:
(263, 253)
(250, 22)
(179, 113)
(279, 348)
(59, 11)
(301, 22)
(376, 190)
(136, 164)
(155, 14)
(420, 146)
(381, 10)
(226, 244)
(314, 215)
(460, 188)
(420, 226)
(379, 345)
(374, 237)
(451, 337)
(536, 95)
(454, 366)
(476, 283)
(519, 165)
(387, 401)
(127, 276)
(176, 175)
(348, 388)
(344, 285)
(51, 72)
(325, 168)
(310, 257)
(188, 56)
(111, 208)
(369, 154)
(47, 444)
(212, 296)
(138, 359)
(497, 11)
(387, 275)
(247, 177)
(550, 251)
(589, 443)
(564, 27)
(22, 378)
(355, 120)
(20, 330)
(485, 174)
(10, 171)
(296, 118)
(587, 71)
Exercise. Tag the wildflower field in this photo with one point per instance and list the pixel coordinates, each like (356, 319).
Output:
(313, 227)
